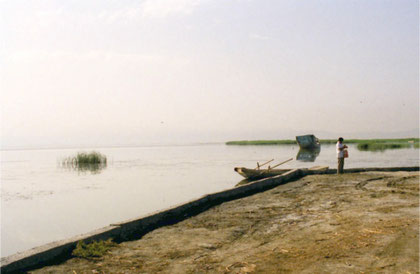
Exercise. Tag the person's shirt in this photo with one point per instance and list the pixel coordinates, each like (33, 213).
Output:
(340, 153)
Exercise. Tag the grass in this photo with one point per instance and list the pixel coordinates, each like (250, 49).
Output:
(83, 158)
(93, 161)
(359, 141)
(262, 142)
(381, 146)
(362, 144)
(324, 141)
(94, 249)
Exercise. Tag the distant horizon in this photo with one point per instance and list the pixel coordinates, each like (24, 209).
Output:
(393, 135)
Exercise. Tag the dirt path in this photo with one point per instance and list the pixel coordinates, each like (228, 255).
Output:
(353, 223)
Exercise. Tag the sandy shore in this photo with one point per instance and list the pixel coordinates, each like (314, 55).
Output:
(352, 223)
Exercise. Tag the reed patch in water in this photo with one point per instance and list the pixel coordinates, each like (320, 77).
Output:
(93, 157)
(83, 161)
(83, 158)
(381, 146)
(390, 142)
(262, 142)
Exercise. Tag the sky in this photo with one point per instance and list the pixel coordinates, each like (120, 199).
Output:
(125, 72)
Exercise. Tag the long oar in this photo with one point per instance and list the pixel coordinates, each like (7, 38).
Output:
(279, 164)
(258, 164)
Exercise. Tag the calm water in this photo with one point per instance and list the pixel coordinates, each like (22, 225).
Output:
(43, 202)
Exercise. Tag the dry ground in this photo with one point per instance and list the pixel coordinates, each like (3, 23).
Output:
(353, 223)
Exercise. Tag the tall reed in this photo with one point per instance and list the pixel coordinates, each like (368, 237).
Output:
(381, 146)
(92, 161)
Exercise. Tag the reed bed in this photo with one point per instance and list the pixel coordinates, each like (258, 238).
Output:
(390, 142)
(381, 146)
(92, 161)
(262, 142)
(83, 158)
(370, 141)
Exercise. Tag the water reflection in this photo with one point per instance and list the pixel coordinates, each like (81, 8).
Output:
(91, 168)
(308, 155)
(93, 162)
(381, 147)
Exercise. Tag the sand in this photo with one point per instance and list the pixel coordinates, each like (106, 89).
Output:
(352, 223)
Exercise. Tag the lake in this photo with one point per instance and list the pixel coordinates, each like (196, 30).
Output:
(42, 201)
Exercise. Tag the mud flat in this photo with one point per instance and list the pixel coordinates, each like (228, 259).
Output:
(353, 223)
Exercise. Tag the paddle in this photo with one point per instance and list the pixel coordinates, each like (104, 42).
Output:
(279, 164)
(258, 164)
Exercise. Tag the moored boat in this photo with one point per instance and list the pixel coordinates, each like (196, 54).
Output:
(254, 174)
(308, 141)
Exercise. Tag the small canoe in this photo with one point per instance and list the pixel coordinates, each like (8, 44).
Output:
(255, 174)
(308, 141)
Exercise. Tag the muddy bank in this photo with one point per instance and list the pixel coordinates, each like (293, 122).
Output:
(353, 223)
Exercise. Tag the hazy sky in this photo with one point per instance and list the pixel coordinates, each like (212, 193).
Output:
(149, 71)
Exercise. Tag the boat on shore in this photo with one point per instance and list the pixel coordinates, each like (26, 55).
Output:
(258, 173)
(308, 141)
(255, 174)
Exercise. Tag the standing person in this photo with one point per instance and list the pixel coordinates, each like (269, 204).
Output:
(340, 155)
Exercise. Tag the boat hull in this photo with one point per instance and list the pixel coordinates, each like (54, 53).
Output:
(254, 174)
(308, 142)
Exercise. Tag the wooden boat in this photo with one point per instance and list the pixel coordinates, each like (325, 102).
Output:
(254, 174)
(308, 141)
(258, 173)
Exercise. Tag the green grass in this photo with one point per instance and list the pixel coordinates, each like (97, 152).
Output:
(93, 249)
(381, 146)
(262, 142)
(359, 141)
(83, 158)
(93, 161)
(323, 141)
(362, 144)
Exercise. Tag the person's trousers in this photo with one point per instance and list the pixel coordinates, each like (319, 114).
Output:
(340, 167)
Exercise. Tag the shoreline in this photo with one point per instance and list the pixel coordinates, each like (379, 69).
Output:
(129, 230)
(352, 223)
